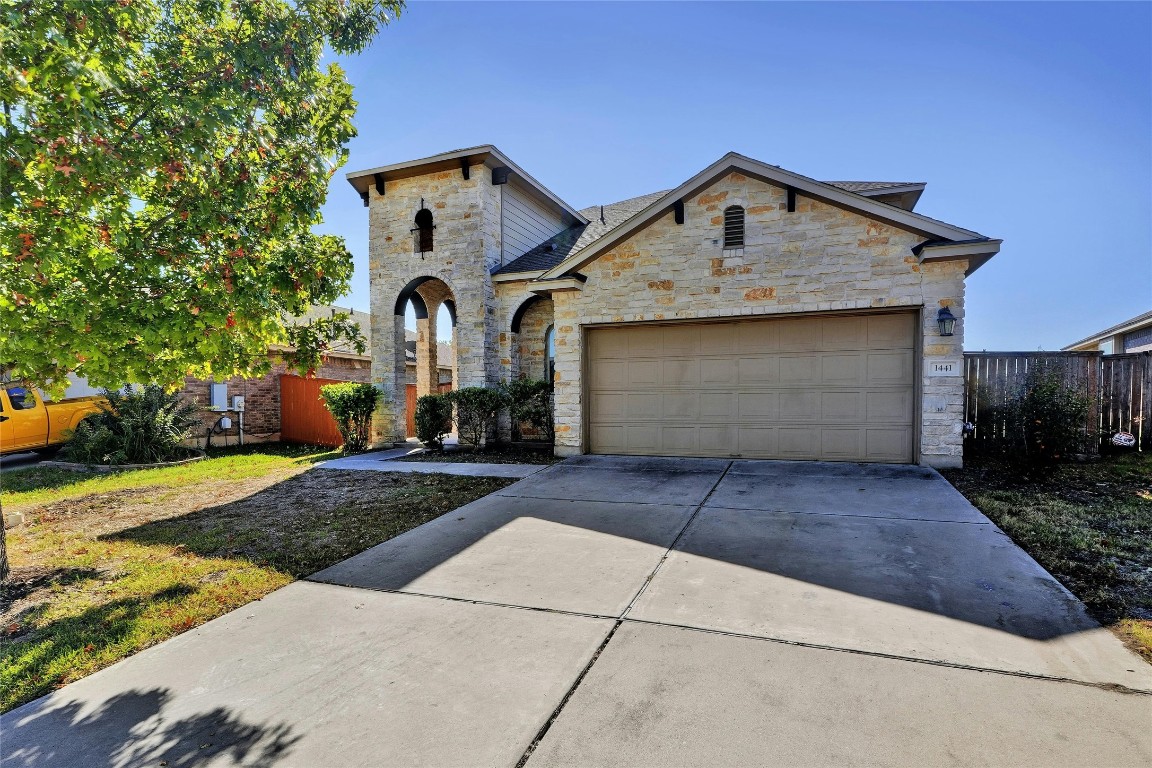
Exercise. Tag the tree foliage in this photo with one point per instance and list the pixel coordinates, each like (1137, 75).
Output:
(164, 162)
(352, 406)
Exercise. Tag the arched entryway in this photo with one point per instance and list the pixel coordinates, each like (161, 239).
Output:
(426, 309)
(530, 328)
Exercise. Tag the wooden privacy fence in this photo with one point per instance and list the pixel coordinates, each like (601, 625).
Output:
(1118, 389)
(303, 417)
(411, 404)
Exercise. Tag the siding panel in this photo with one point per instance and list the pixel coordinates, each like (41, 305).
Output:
(526, 222)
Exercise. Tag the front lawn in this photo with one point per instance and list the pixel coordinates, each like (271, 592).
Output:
(110, 564)
(1089, 525)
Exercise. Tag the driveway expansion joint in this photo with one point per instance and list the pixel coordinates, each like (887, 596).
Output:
(1110, 687)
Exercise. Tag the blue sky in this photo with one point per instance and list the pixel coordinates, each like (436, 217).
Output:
(1031, 122)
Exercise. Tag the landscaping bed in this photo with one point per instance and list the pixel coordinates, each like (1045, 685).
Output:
(495, 455)
(1089, 525)
(110, 564)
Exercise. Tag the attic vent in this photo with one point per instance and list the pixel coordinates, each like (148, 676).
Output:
(734, 227)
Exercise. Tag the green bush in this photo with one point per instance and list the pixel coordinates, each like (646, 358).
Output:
(530, 402)
(137, 426)
(1045, 421)
(433, 420)
(476, 409)
(352, 406)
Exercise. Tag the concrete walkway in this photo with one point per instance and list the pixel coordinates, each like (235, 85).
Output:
(385, 461)
(647, 612)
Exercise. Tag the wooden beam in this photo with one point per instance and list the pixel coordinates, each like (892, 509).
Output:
(791, 200)
(379, 179)
(465, 168)
(678, 207)
(364, 197)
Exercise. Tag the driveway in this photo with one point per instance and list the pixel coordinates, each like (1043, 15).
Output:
(656, 612)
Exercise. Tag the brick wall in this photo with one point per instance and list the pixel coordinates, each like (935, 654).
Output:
(262, 398)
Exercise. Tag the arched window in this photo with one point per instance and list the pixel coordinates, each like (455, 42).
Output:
(550, 353)
(734, 227)
(423, 231)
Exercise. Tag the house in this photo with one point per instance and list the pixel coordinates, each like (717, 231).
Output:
(1133, 335)
(749, 312)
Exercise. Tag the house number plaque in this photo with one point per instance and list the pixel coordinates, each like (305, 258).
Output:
(945, 368)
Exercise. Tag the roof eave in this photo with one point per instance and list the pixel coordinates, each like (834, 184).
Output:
(776, 176)
(1135, 324)
(976, 253)
(492, 157)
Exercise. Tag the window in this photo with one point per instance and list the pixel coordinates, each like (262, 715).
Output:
(22, 399)
(734, 227)
(423, 231)
(550, 352)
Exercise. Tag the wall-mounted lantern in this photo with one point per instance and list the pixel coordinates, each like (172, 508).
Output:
(947, 321)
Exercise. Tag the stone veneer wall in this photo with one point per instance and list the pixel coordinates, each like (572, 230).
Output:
(819, 258)
(530, 357)
(466, 214)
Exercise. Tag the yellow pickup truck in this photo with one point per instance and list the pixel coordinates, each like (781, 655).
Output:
(27, 423)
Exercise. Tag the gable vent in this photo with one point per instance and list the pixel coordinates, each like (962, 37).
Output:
(734, 227)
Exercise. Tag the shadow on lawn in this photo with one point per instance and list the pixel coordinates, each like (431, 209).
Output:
(40, 655)
(134, 728)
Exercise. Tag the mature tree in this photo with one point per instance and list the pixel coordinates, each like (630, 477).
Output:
(163, 164)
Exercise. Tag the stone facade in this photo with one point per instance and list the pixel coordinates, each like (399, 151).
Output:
(817, 258)
(466, 248)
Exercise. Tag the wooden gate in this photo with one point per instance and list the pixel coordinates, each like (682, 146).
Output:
(410, 401)
(303, 417)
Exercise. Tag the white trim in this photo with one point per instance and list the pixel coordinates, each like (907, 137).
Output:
(516, 277)
(951, 251)
(556, 285)
(732, 161)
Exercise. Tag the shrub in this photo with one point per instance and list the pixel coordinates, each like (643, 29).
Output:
(433, 420)
(137, 426)
(1045, 421)
(530, 402)
(352, 406)
(476, 409)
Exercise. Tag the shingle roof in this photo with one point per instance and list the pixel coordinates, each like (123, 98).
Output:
(871, 186)
(560, 246)
(1127, 325)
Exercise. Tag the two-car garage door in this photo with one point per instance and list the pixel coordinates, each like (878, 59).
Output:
(832, 388)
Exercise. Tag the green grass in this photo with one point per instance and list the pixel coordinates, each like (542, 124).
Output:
(1089, 525)
(40, 485)
(109, 565)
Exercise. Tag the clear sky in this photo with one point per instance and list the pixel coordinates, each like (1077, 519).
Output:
(1030, 122)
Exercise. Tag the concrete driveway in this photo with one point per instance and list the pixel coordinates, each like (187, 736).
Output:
(657, 612)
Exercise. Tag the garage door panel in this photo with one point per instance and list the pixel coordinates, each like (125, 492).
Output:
(843, 370)
(831, 388)
(681, 372)
(890, 331)
(890, 367)
(800, 369)
(843, 333)
(889, 406)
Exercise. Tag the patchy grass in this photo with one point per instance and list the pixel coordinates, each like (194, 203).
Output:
(492, 455)
(112, 564)
(1089, 525)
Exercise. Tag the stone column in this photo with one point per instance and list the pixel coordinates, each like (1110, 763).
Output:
(389, 423)
(427, 371)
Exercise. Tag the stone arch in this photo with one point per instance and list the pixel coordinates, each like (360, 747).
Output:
(529, 327)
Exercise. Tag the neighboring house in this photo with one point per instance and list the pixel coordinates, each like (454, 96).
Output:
(1133, 335)
(750, 312)
(262, 412)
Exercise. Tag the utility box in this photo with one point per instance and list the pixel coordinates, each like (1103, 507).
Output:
(219, 400)
(237, 402)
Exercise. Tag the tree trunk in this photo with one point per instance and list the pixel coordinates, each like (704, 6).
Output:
(3, 548)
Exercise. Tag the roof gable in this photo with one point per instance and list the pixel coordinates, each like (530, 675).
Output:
(931, 229)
